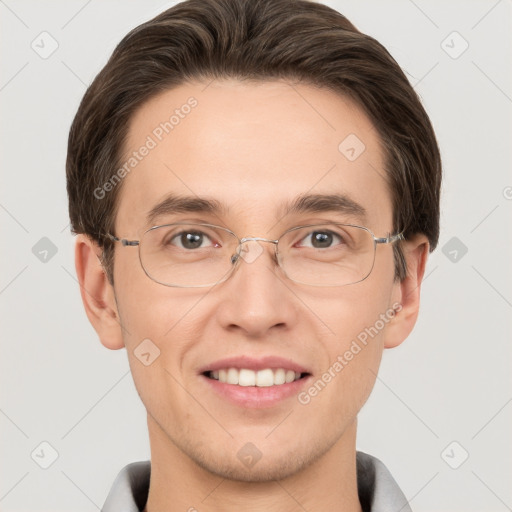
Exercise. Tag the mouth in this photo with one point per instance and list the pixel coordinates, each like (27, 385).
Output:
(255, 383)
(246, 377)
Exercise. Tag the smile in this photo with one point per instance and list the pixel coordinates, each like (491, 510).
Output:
(261, 378)
(255, 382)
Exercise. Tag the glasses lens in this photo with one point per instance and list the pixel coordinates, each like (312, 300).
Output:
(199, 255)
(327, 254)
(187, 255)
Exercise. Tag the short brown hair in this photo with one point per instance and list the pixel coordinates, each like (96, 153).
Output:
(252, 40)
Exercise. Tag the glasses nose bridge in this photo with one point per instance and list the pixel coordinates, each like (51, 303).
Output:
(246, 239)
(257, 239)
(242, 241)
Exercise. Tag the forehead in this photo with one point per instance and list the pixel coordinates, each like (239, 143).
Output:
(252, 148)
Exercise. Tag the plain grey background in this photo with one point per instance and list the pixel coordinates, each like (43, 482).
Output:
(440, 415)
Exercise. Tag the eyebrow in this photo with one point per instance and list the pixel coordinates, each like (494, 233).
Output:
(303, 204)
(324, 203)
(172, 204)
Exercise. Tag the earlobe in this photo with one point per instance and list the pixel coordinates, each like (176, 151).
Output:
(406, 293)
(97, 293)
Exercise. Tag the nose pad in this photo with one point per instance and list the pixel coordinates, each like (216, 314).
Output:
(251, 251)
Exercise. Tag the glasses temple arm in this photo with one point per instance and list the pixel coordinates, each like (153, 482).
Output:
(390, 239)
(123, 241)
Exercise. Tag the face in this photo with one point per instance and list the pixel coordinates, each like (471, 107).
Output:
(253, 148)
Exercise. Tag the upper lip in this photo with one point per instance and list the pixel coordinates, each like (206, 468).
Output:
(255, 364)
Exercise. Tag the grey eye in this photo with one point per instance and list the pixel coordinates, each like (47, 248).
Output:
(189, 239)
(321, 239)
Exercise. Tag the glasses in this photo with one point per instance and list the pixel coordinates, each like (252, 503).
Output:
(189, 255)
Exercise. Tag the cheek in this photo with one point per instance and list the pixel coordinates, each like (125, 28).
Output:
(340, 390)
(356, 320)
(148, 309)
(345, 312)
(159, 330)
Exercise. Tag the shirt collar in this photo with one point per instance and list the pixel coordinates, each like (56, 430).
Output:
(378, 491)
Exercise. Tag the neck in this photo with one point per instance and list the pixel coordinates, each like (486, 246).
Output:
(178, 483)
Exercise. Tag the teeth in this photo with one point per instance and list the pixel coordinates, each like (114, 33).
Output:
(232, 376)
(264, 378)
(279, 376)
(290, 376)
(245, 377)
(261, 378)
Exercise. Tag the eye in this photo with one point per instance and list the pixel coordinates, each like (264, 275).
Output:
(321, 239)
(191, 240)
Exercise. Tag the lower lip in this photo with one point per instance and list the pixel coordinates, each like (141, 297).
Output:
(256, 397)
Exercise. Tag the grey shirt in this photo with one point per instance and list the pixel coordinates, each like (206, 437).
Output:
(378, 491)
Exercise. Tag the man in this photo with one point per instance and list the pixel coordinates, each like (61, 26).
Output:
(255, 186)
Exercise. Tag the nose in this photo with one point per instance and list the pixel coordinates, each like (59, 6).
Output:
(256, 299)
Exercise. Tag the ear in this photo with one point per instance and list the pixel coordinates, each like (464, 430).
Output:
(406, 293)
(97, 293)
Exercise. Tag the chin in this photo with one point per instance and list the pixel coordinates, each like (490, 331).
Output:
(262, 471)
(270, 467)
